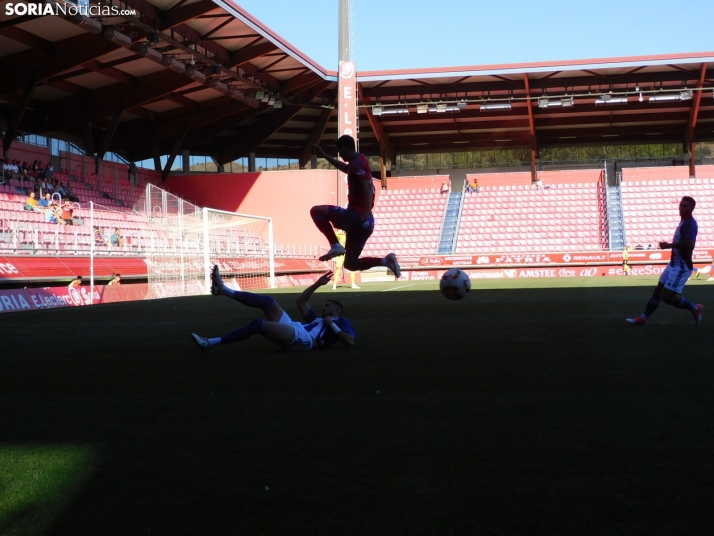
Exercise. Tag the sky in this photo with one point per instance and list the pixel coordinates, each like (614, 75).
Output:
(402, 34)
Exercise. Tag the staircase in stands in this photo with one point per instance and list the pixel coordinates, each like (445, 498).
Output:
(615, 217)
(447, 240)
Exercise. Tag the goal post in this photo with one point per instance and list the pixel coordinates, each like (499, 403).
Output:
(242, 246)
(182, 242)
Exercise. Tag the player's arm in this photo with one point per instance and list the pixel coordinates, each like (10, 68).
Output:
(339, 164)
(686, 245)
(302, 300)
(344, 337)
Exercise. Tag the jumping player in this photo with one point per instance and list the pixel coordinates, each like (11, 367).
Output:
(672, 281)
(278, 327)
(356, 220)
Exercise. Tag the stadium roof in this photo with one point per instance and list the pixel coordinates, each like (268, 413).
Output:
(188, 74)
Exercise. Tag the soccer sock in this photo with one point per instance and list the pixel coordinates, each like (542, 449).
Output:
(213, 341)
(243, 333)
(650, 308)
(248, 298)
(684, 303)
(365, 263)
(325, 227)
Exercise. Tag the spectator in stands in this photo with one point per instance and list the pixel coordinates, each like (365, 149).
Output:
(539, 184)
(37, 186)
(51, 214)
(50, 171)
(76, 282)
(25, 171)
(99, 237)
(116, 280)
(117, 240)
(31, 202)
(70, 194)
(36, 168)
(14, 169)
(4, 172)
(44, 202)
(8, 170)
(40, 171)
(473, 187)
(67, 213)
(445, 187)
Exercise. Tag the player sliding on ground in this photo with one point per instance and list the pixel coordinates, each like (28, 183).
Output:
(356, 220)
(672, 281)
(278, 327)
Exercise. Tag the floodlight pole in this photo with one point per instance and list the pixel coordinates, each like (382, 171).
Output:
(344, 37)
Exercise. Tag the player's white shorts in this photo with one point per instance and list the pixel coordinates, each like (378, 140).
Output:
(303, 341)
(675, 277)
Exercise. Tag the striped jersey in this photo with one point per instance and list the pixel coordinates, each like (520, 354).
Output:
(323, 335)
(686, 230)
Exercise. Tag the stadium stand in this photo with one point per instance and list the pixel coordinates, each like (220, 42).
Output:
(522, 219)
(651, 209)
(407, 222)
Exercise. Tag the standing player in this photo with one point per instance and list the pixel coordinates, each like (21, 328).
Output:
(340, 261)
(278, 327)
(356, 220)
(672, 281)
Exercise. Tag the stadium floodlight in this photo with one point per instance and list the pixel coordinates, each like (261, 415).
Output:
(377, 110)
(173, 64)
(666, 97)
(393, 110)
(685, 94)
(486, 107)
(117, 37)
(278, 104)
(150, 54)
(422, 108)
(442, 107)
(461, 104)
(195, 74)
(606, 98)
(259, 95)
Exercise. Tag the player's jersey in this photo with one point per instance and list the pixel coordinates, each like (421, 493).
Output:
(324, 336)
(686, 230)
(357, 172)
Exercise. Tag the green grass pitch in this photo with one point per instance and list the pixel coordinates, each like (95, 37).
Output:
(530, 407)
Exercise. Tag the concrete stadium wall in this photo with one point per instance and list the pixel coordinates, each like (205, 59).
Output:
(285, 196)
(665, 173)
(548, 177)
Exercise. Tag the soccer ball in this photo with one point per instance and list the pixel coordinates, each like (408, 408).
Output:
(455, 284)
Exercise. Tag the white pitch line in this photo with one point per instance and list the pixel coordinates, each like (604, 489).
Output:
(398, 288)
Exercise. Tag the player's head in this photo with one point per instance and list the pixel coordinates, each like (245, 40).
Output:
(686, 207)
(332, 308)
(346, 146)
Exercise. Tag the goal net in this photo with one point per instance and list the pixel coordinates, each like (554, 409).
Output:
(182, 242)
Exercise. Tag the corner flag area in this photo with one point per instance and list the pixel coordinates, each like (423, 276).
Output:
(528, 407)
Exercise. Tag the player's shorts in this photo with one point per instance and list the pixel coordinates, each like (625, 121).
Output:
(303, 341)
(358, 231)
(675, 277)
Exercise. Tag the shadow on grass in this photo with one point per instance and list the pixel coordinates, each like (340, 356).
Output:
(513, 411)
(37, 483)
